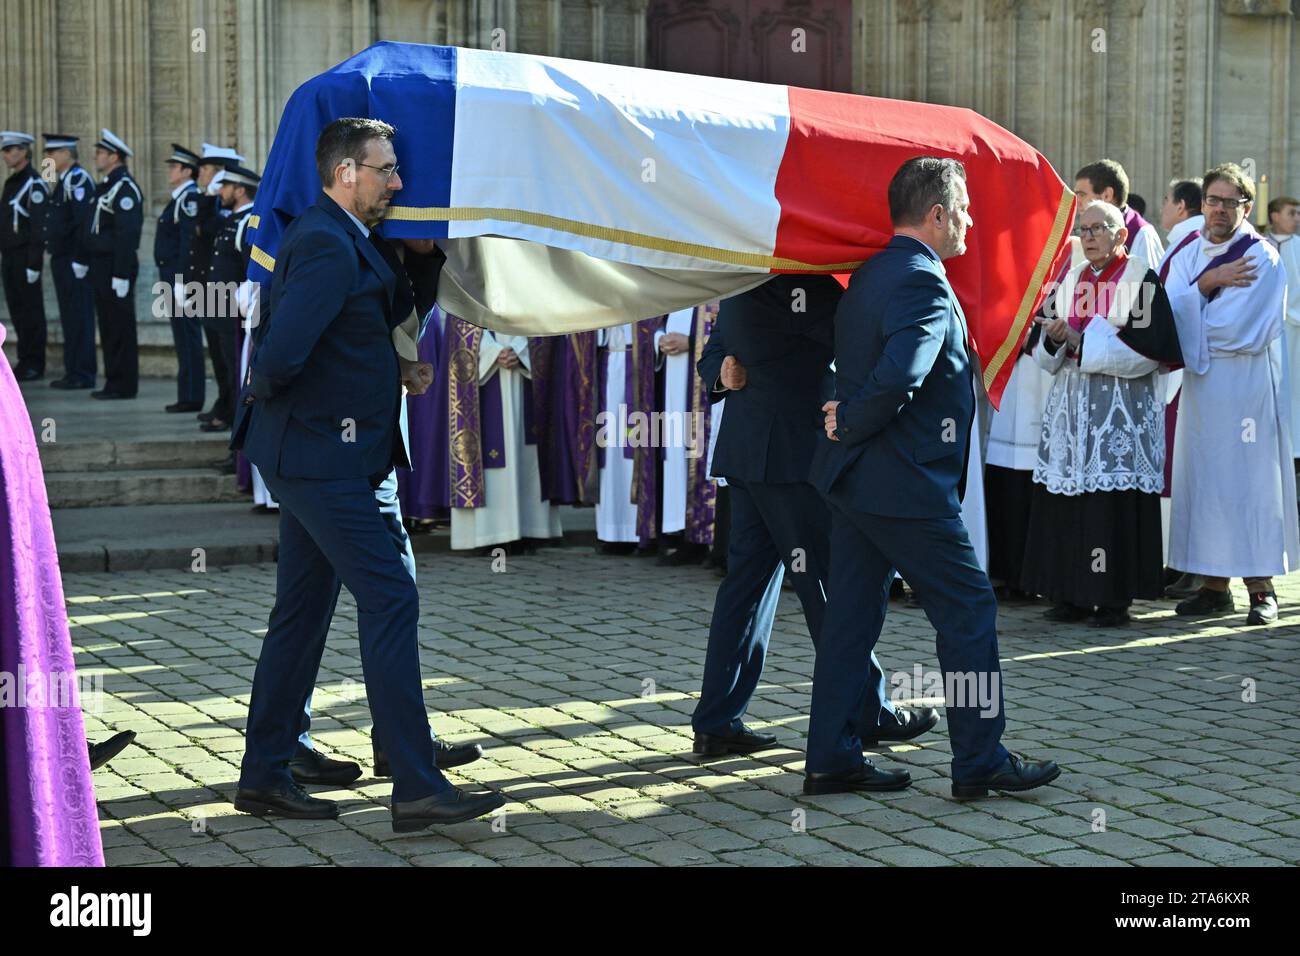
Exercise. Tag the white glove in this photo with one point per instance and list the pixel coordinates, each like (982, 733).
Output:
(121, 287)
(80, 270)
(214, 187)
(33, 275)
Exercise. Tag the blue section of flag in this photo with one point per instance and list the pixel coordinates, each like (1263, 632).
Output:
(376, 83)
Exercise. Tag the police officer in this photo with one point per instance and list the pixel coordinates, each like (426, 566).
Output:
(171, 253)
(114, 239)
(72, 200)
(204, 225)
(230, 255)
(22, 252)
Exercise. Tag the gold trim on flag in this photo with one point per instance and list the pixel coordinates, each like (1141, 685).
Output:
(609, 234)
(264, 260)
(1009, 344)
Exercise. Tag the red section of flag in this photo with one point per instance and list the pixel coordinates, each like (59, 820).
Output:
(833, 189)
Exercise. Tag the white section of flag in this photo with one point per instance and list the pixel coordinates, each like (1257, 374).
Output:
(575, 140)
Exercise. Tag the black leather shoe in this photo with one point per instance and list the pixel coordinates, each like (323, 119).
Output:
(445, 756)
(1187, 585)
(867, 777)
(101, 754)
(59, 383)
(291, 801)
(107, 396)
(909, 722)
(1263, 608)
(310, 766)
(450, 806)
(1067, 613)
(1206, 602)
(29, 375)
(176, 407)
(205, 416)
(1014, 775)
(745, 741)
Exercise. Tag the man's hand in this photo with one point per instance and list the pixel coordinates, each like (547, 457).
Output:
(508, 359)
(1060, 331)
(831, 424)
(80, 270)
(33, 275)
(1239, 272)
(121, 287)
(674, 343)
(416, 376)
(733, 375)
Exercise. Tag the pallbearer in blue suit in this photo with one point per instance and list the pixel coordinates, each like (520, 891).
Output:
(769, 356)
(319, 417)
(892, 468)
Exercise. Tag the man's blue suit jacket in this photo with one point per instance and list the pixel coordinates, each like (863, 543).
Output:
(324, 378)
(905, 384)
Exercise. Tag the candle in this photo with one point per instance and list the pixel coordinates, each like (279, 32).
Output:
(1261, 202)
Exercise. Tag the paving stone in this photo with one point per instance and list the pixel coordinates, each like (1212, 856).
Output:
(545, 670)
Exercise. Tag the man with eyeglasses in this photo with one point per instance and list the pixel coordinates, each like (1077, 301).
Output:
(1105, 180)
(320, 416)
(1234, 487)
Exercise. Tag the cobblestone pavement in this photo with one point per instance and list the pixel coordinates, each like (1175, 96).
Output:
(578, 673)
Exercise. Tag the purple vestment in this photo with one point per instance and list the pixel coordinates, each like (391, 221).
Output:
(47, 802)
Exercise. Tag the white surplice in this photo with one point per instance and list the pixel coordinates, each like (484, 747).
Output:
(1103, 424)
(1017, 425)
(1147, 245)
(679, 371)
(1234, 490)
(972, 502)
(615, 513)
(1288, 250)
(250, 295)
(513, 506)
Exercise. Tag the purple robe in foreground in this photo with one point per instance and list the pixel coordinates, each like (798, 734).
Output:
(47, 802)
(565, 401)
(646, 466)
(701, 492)
(423, 489)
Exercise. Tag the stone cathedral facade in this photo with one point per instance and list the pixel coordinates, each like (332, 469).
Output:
(1167, 87)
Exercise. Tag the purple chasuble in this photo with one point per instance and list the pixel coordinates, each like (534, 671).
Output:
(47, 802)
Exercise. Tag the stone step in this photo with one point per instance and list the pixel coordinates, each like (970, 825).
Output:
(108, 455)
(188, 536)
(144, 486)
(153, 336)
(134, 537)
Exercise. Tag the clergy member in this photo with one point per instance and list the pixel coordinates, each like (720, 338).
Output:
(1181, 218)
(1107, 181)
(689, 496)
(1094, 528)
(627, 514)
(1234, 493)
(1283, 221)
(495, 482)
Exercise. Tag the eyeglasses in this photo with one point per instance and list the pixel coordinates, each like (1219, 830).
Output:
(1219, 202)
(390, 172)
(1087, 232)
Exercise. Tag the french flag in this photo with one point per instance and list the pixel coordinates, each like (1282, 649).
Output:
(570, 195)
